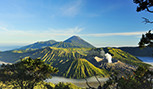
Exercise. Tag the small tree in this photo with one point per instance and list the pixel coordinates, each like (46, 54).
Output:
(144, 5)
(146, 40)
(141, 79)
(26, 74)
(62, 85)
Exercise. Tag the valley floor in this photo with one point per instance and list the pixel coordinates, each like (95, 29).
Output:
(79, 82)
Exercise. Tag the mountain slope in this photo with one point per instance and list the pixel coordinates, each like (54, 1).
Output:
(69, 61)
(124, 57)
(47, 54)
(77, 41)
(72, 62)
(72, 42)
(136, 51)
(38, 45)
(65, 45)
(59, 55)
(80, 68)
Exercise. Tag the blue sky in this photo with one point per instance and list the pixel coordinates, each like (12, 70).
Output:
(100, 22)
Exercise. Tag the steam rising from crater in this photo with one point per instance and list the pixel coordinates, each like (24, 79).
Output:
(108, 57)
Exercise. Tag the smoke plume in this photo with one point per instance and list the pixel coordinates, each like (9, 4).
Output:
(108, 57)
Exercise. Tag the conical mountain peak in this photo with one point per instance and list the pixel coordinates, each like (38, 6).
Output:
(76, 37)
(77, 41)
(73, 38)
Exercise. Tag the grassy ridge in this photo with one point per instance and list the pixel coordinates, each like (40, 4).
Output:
(69, 62)
(124, 57)
(48, 54)
(80, 68)
(60, 55)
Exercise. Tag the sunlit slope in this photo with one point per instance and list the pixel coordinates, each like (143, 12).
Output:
(69, 61)
(123, 56)
(47, 54)
(56, 55)
(72, 62)
(80, 68)
(52, 54)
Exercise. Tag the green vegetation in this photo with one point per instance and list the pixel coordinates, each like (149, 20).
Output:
(80, 68)
(40, 85)
(66, 58)
(48, 54)
(141, 79)
(146, 40)
(60, 55)
(45, 85)
(125, 57)
(61, 85)
(25, 74)
(71, 62)
(30, 74)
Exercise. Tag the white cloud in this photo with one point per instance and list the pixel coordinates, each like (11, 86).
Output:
(66, 31)
(26, 36)
(115, 34)
(3, 28)
(71, 9)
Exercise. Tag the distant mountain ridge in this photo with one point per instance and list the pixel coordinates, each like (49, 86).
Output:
(136, 51)
(38, 45)
(72, 42)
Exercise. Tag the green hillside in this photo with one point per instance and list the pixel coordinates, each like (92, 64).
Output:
(52, 54)
(80, 68)
(72, 62)
(56, 55)
(124, 57)
(47, 54)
